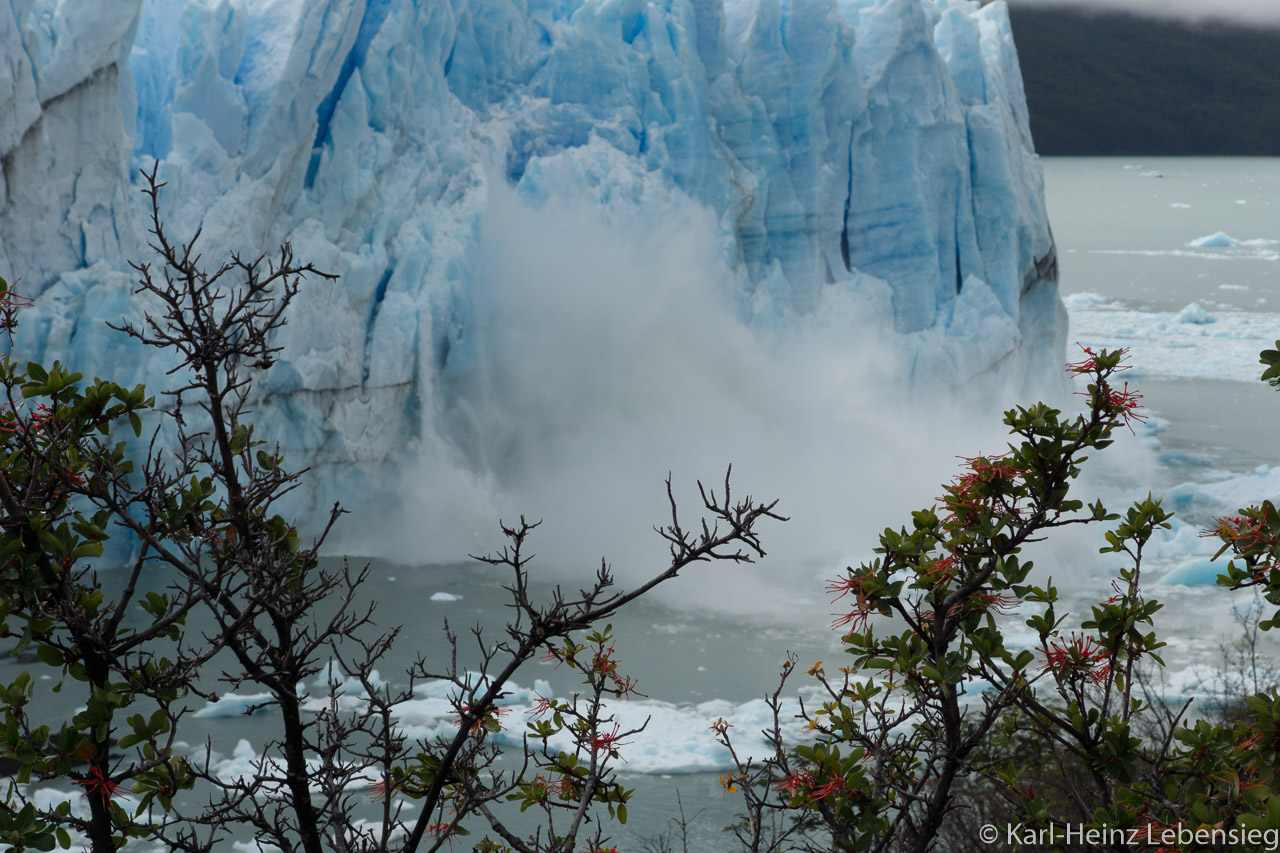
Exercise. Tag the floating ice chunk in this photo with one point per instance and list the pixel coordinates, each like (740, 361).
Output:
(1180, 205)
(445, 596)
(1169, 345)
(235, 705)
(1220, 240)
(1197, 572)
(1193, 313)
(243, 762)
(253, 847)
(48, 799)
(1205, 501)
(1233, 287)
(1086, 299)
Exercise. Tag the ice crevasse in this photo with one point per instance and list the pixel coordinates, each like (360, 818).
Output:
(858, 164)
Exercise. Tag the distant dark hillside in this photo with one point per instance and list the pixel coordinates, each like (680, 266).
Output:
(1119, 84)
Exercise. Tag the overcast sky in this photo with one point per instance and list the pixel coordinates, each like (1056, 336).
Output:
(1243, 11)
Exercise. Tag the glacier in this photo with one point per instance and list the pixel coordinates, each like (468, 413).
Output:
(485, 174)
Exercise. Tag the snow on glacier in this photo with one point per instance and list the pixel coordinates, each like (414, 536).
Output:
(857, 173)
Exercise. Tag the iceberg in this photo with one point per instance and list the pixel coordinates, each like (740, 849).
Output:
(1217, 240)
(859, 167)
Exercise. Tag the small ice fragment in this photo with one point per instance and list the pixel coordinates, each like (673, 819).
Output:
(1220, 240)
(445, 596)
(1194, 314)
(234, 705)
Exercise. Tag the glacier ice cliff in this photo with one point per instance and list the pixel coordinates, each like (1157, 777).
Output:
(481, 171)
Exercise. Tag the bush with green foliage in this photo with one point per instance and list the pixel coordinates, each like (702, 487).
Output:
(938, 725)
(201, 506)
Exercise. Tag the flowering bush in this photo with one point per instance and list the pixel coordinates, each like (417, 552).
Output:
(936, 702)
(201, 507)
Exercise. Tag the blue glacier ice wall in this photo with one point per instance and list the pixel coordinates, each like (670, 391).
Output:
(861, 167)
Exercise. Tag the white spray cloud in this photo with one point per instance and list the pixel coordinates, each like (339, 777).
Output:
(1250, 12)
(615, 352)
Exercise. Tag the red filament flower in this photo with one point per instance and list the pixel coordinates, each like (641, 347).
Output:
(1078, 654)
(609, 742)
(97, 784)
(1126, 405)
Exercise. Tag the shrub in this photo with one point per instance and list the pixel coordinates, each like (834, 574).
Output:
(202, 507)
(937, 726)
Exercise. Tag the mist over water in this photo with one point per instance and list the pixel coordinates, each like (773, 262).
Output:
(614, 348)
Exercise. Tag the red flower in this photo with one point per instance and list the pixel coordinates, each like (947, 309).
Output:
(542, 707)
(608, 742)
(9, 300)
(988, 478)
(1241, 531)
(626, 686)
(1088, 365)
(441, 830)
(795, 782)
(551, 654)
(1126, 404)
(940, 571)
(1253, 741)
(822, 791)
(999, 603)
(1078, 655)
(844, 586)
(36, 421)
(96, 783)
(856, 620)
(385, 788)
(602, 663)
(806, 784)
(476, 725)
